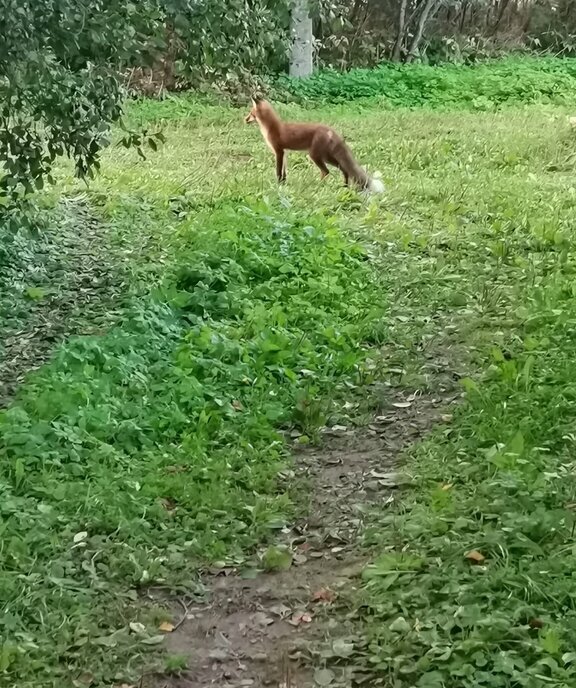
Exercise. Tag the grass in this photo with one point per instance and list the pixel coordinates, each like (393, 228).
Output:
(135, 456)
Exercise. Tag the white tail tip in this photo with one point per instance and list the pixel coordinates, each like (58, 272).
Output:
(376, 186)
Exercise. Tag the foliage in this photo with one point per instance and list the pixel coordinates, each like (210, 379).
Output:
(483, 86)
(366, 32)
(219, 41)
(59, 86)
(157, 444)
(62, 271)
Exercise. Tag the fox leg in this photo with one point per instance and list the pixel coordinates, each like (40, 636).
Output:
(280, 166)
(344, 174)
(332, 161)
(318, 160)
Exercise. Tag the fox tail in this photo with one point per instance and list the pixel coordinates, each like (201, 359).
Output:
(375, 184)
(350, 167)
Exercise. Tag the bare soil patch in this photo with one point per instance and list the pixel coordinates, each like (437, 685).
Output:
(268, 630)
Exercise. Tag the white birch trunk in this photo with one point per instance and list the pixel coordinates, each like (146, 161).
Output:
(301, 64)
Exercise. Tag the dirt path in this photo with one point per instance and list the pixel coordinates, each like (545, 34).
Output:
(248, 628)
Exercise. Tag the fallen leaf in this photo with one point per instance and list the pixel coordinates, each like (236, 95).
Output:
(323, 677)
(402, 404)
(324, 595)
(280, 610)
(137, 627)
(166, 626)
(334, 461)
(400, 625)
(475, 556)
(447, 486)
(80, 536)
(262, 619)
(175, 469)
(300, 618)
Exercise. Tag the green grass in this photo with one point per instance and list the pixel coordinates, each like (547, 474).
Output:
(137, 455)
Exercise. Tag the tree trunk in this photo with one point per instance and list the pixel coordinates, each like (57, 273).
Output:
(501, 9)
(301, 64)
(427, 11)
(168, 66)
(400, 35)
(463, 16)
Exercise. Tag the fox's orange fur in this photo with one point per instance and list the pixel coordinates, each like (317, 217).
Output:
(325, 147)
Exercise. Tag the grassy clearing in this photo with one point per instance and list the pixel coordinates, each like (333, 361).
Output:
(137, 455)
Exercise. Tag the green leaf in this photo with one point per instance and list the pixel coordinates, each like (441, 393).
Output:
(35, 293)
(400, 625)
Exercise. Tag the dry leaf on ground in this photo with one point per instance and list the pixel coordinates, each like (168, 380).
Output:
(475, 556)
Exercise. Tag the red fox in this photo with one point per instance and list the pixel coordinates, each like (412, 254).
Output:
(323, 144)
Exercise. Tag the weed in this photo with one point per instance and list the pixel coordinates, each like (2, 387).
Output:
(175, 664)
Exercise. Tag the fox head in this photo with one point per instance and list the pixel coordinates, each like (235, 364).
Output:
(258, 111)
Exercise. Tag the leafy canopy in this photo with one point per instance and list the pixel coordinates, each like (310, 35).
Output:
(60, 85)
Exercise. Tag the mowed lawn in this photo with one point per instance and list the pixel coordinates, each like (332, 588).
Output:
(472, 246)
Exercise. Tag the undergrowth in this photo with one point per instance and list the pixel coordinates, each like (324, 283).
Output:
(133, 454)
(483, 86)
(478, 588)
